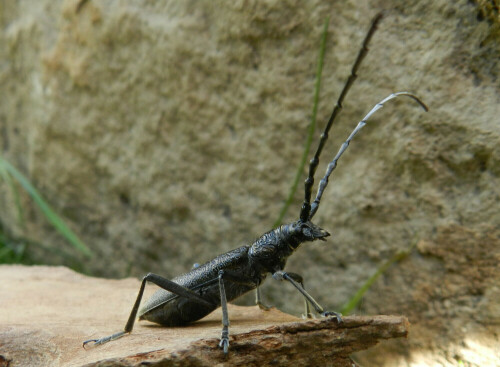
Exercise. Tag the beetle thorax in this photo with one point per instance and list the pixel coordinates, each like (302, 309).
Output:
(273, 248)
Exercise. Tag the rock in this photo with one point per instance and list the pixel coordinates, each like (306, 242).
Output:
(47, 312)
(166, 133)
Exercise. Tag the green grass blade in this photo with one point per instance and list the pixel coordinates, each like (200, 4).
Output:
(51, 216)
(17, 199)
(312, 126)
(354, 301)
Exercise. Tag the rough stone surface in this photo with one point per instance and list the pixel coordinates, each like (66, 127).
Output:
(165, 133)
(46, 316)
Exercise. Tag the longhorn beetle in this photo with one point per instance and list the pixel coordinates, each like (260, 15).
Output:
(191, 296)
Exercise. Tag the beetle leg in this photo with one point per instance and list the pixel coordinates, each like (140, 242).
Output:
(258, 300)
(282, 275)
(161, 282)
(105, 339)
(298, 278)
(234, 278)
(224, 339)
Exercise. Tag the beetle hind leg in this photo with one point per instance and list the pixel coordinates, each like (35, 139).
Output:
(96, 342)
(161, 282)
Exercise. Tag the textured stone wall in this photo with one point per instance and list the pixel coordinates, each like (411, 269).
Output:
(168, 132)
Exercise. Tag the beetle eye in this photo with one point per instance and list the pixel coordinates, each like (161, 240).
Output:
(306, 231)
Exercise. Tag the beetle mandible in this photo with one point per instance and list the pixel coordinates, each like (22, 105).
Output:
(191, 296)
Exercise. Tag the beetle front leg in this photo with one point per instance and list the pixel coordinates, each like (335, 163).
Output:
(283, 275)
(298, 278)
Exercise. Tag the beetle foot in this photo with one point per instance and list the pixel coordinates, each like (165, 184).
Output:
(338, 315)
(224, 344)
(263, 307)
(96, 342)
(224, 339)
(86, 342)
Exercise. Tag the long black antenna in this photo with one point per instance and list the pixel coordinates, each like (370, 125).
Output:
(331, 166)
(313, 164)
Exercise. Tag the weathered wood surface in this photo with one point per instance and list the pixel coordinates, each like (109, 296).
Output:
(46, 313)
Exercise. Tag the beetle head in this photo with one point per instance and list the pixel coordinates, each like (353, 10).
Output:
(308, 231)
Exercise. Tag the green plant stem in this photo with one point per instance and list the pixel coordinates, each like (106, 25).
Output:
(354, 301)
(312, 126)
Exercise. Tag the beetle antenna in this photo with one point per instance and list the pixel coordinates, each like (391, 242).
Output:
(331, 166)
(313, 164)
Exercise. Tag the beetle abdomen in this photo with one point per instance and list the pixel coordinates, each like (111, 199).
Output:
(177, 312)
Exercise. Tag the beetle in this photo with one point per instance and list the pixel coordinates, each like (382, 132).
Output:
(191, 296)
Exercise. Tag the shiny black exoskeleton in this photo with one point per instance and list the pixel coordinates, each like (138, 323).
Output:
(245, 269)
(191, 296)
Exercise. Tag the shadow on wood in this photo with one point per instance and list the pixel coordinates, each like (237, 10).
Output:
(47, 312)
